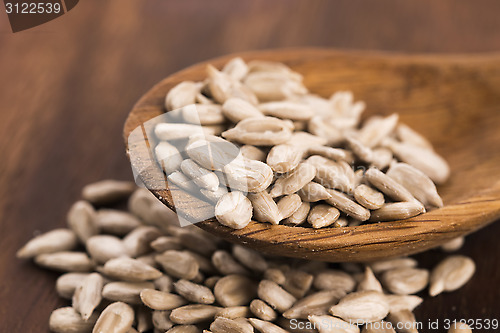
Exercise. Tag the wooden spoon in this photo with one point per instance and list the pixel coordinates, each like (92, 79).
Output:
(453, 100)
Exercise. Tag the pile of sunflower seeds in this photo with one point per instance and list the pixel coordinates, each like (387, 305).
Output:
(257, 145)
(138, 271)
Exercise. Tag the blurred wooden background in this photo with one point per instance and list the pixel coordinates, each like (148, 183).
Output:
(66, 88)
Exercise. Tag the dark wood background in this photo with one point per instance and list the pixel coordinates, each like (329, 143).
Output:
(66, 88)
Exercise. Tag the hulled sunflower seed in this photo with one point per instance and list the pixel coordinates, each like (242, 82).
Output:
(275, 274)
(82, 219)
(294, 181)
(164, 283)
(67, 320)
(377, 129)
(397, 211)
(451, 274)
(362, 307)
(161, 320)
(194, 292)
(335, 154)
(272, 86)
(165, 243)
(234, 312)
(178, 264)
(107, 191)
(453, 245)
(116, 318)
(249, 258)
(253, 153)
(127, 292)
(315, 304)
(65, 261)
(334, 279)
(138, 241)
(267, 131)
(234, 210)
(105, 247)
(389, 264)
(265, 208)
(53, 241)
(67, 283)
(406, 280)
(262, 311)
(313, 192)
(193, 314)
(116, 222)
(275, 296)
(159, 300)
(288, 205)
(87, 295)
(184, 329)
(284, 158)
(203, 114)
(225, 263)
(369, 281)
(298, 282)
(322, 216)
(234, 290)
(417, 183)
(265, 326)
(223, 87)
(181, 95)
(287, 110)
(167, 155)
(368, 197)
(247, 175)
(409, 136)
(237, 109)
(226, 325)
(200, 176)
(236, 68)
(300, 215)
(127, 269)
(337, 175)
(388, 186)
(344, 203)
(403, 302)
(404, 320)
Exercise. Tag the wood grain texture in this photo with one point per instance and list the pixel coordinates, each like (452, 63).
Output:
(452, 100)
(66, 88)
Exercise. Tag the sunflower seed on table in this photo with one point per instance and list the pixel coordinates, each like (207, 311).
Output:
(397, 211)
(249, 258)
(65, 261)
(451, 274)
(68, 282)
(68, 320)
(88, 295)
(57, 240)
(107, 191)
(181, 95)
(334, 279)
(404, 320)
(234, 312)
(234, 290)
(369, 281)
(127, 292)
(115, 222)
(160, 300)
(362, 307)
(322, 215)
(198, 242)
(329, 324)
(275, 274)
(164, 243)
(405, 280)
(388, 264)
(105, 247)
(368, 197)
(82, 219)
(403, 302)
(453, 245)
(138, 241)
(178, 264)
(262, 311)
(317, 303)
(275, 296)
(115, 318)
(226, 325)
(298, 282)
(193, 313)
(128, 269)
(194, 292)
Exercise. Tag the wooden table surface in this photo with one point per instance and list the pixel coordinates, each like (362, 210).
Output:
(66, 88)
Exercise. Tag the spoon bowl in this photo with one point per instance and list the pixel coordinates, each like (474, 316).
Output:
(453, 100)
